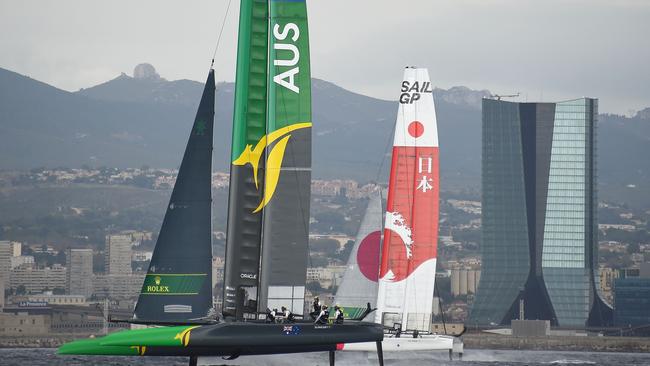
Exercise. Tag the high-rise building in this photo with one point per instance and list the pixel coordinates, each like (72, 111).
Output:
(79, 264)
(632, 302)
(8, 250)
(539, 223)
(118, 254)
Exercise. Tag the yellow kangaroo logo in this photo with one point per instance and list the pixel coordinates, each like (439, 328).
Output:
(140, 349)
(252, 156)
(184, 336)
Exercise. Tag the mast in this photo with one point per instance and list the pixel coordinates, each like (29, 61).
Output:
(243, 243)
(409, 251)
(178, 284)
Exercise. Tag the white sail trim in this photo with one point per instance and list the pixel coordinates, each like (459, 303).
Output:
(412, 297)
(177, 308)
(416, 104)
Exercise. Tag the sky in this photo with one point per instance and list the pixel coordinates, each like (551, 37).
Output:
(546, 50)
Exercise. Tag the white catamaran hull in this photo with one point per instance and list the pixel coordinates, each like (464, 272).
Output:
(424, 343)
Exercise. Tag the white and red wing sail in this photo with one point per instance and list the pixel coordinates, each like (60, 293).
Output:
(409, 251)
(359, 284)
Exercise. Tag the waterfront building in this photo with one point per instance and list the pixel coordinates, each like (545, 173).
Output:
(37, 280)
(606, 278)
(118, 254)
(51, 299)
(20, 260)
(21, 323)
(632, 302)
(464, 281)
(79, 263)
(539, 226)
(117, 286)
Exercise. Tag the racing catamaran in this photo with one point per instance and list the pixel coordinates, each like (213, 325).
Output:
(268, 216)
(402, 282)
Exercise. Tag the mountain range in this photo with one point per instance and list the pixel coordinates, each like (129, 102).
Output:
(130, 122)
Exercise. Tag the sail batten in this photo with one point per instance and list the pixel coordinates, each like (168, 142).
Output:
(178, 283)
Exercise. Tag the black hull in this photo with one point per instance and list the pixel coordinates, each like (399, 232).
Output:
(242, 335)
(235, 351)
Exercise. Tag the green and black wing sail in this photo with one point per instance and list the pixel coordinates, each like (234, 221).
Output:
(241, 272)
(178, 284)
(285, 249)
(268, 215)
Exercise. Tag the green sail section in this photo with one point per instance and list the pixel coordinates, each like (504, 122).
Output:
(244, 230)
(178, 285)
(288, 161)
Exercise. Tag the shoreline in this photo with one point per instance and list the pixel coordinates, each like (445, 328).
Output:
(557, 343)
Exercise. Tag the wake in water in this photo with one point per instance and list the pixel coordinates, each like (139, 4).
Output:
(47, 357)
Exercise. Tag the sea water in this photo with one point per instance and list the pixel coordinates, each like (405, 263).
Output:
(47, 357)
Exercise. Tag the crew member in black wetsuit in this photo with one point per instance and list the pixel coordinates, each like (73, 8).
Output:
(338, 315)
(288, 315)
(323, 316)
(270, 315)
(316, 308)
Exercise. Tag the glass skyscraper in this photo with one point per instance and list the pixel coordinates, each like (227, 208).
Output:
(539, 222)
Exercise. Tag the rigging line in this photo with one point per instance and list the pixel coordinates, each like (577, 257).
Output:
(442, 310)
(223, 23)
(391, 136)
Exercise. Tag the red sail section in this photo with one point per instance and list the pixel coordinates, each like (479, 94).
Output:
(413, 205)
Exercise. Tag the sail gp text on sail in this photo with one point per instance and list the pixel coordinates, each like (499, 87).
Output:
(287, 78)
(413, 92)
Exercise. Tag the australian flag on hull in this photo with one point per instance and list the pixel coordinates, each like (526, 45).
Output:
(178, 284)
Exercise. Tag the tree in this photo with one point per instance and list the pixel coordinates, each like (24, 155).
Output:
(327, 246)
(60, 257)
(318, 261)
(633, 248)
(314, 287)
(344, 253)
